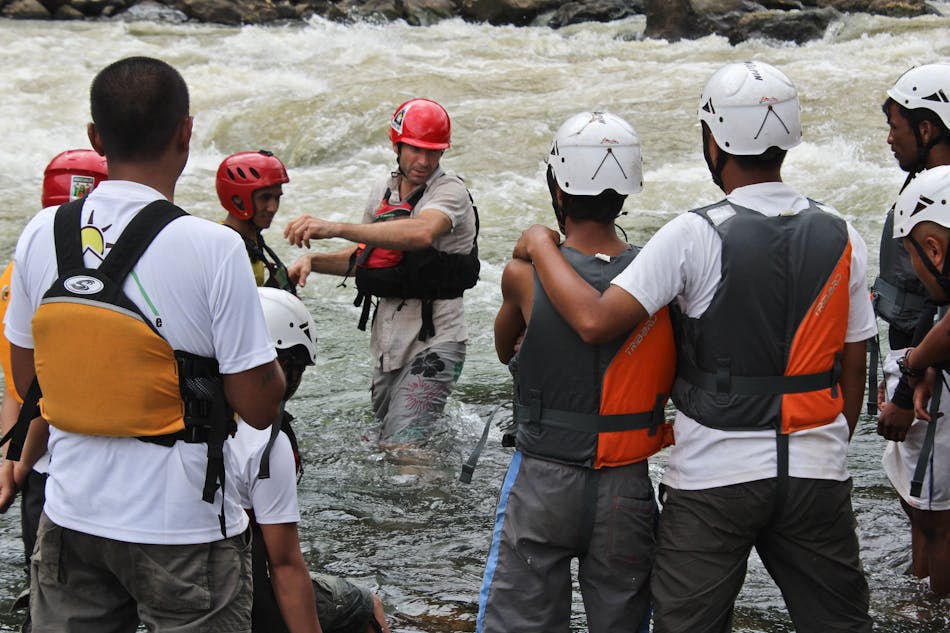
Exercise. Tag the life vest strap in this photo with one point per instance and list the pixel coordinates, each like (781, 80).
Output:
(723, 382)
(28, 411)
(927, 447)
(534, 413)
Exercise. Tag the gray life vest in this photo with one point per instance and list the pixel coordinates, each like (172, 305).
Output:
(898, 295)
(777, 272)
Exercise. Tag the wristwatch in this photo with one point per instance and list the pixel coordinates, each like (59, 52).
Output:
(906, 369)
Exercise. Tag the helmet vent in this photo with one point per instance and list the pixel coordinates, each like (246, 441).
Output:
(938, 96)
(230, 174)
(255, 173)
(241, 173)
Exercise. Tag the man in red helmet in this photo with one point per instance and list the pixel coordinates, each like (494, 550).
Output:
(249, 187)
(70, 175)
(417, 253)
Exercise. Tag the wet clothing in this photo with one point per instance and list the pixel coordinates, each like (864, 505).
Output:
(342, 607)
(900, 458)
(408, 401)
(394, 339)
(550, 513)
(572, 490)
(88, 584)
(808, 546)
(684, 261)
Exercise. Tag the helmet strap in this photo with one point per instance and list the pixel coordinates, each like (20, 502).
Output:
(715, 169)
(941, 277)
(554, 188)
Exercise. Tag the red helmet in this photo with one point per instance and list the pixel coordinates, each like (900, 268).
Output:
(421, 123)
(240, 175)
(71, 175)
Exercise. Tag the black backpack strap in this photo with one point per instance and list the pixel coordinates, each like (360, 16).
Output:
(17, 433)
(137, 237)
(67, 236)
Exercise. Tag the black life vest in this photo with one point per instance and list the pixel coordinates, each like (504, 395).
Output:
(426, 274)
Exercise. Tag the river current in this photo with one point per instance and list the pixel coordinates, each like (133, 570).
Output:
(319, 95)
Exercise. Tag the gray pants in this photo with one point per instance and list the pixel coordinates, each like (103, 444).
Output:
(550, 513)
(808, 546)
(89, 584)
(408, 401)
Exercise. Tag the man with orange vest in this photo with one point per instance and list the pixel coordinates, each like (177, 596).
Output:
(772, 318)
(416, 254)
(588, 415)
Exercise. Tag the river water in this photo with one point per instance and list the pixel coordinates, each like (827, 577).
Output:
(319, 95)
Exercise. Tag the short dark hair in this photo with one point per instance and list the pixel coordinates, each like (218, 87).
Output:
(603, 208)
(137, 104)
(772, 158)
(917, 116)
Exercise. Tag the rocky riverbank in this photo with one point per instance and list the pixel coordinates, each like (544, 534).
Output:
(789, 20)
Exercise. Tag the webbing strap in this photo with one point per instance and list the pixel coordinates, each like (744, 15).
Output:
(136, 238)
(874, 348)
(926, 449)
(428, 325)
(67, 238)
(590, 422)
(17, 433)
(723, 382)
(781, 471)
(263, 471)
(468, 468)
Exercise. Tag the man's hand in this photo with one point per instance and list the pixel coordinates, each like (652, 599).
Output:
(893, 421)
(301, 230)
(532, 236)
(300, 270)
(922, 393)
(8, 486)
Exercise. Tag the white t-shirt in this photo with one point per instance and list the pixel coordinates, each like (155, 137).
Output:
(396, 323)
(900, 458)
(273, 500)
(196, 278)
(682, 262)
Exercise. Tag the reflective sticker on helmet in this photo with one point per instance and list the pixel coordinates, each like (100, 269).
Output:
(398, 118)
(80, 186)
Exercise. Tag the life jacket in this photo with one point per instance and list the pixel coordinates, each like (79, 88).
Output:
(774, 362)
(4, 343)
(134, 384)
(592, 405)
(426, 274)
(898, 295)
(264, 259)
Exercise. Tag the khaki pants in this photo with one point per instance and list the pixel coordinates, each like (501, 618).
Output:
(89, 584)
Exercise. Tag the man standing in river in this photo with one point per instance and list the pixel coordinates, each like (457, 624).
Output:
(141, 521)
(919, 135)
(773, 315)
(416, 253)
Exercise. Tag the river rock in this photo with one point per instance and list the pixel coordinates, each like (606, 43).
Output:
(791, 26)
(517, 12)
(426, 12)
(151, 11)
(894, 8)
(68, 12)
(26, 10)
(595, 11)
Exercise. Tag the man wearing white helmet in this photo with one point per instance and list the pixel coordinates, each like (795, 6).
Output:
(918, 116)
(287, 597)
(579, 476)
(773, 316)
(917, 466)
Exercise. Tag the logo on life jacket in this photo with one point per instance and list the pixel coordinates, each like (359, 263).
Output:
(83, 285)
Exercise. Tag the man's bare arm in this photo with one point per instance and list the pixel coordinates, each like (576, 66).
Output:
(517, 292)
(596, 317)
(256, 394)
(853, 374)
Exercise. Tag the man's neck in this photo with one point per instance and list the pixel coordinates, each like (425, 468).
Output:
(246, 228)
(591, 237)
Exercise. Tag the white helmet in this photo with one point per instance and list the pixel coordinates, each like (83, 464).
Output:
(926, 86)
(926, 198)
(289, 323)
(596, 151)
(750, 107)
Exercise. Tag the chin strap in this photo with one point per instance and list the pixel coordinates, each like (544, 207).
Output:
(941, 277)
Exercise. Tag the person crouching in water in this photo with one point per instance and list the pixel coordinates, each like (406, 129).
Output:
(249, 186)
(287, 597)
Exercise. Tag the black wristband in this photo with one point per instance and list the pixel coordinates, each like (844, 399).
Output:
(903, 395)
